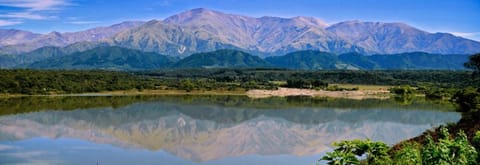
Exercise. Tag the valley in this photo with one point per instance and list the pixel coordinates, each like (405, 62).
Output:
(174, 82)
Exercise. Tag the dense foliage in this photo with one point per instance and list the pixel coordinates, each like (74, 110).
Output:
(60, 81)
(117, 58)
(474, 62)
(390, 77)
(306, 60)
(45, 82)
(107, 58)
(445, 151)
(348, 152)
(314, 60)
(402, 90)
(468, 99)
(305, 83)
(221, 59)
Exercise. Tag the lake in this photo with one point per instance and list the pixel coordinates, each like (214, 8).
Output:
(201, 129)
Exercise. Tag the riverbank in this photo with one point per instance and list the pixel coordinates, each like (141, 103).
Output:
(283, 92)
(255, 93)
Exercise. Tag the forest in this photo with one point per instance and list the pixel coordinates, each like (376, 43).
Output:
(44, 82)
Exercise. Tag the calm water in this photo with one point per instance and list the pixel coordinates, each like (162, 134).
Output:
(201, 129)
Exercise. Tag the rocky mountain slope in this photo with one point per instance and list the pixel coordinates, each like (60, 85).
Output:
(17, 42)
(203, 30)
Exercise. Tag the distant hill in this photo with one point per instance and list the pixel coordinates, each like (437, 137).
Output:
(222, 59)
(307, 60)
(118, 58)
(314, 60)
(109, 58)
(420, 60)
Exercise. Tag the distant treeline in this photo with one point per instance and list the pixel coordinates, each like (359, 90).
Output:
(387, 77)
(46, 81)
(71, 81)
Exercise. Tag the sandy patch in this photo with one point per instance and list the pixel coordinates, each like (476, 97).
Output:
(282, 92)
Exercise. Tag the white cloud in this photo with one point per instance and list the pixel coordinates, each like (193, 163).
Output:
(466, 34)
(5, 147)
(26, 15)
(36, 5)
(83, 22)
(8, 23)
(164, 3)
(30, 10)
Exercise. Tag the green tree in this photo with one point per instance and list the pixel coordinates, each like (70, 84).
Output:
(474, 63)
(402, 90)
(186, 85)
(468, 99)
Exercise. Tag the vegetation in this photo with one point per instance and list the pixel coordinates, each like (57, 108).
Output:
(432, 83)
(305, 60)
(462, 149)
(314, 60)
(474, 63)
(221, 59)
(307, 84)
(468, 99)
(446, 150)
(444, 79)
(347, 152)
(107, 58)
(48, 82)
(117, 58)
(402, 90)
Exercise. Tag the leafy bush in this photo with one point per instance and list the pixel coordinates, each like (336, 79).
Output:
(410, 154)
(444, 152)
(468, 99)
(402, 90)
(448, 151)
(348, 152)
(337, 88)
(306, 84)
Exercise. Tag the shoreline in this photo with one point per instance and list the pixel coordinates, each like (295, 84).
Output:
(284, 92)
(254, 93)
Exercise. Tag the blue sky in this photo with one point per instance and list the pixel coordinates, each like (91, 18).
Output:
(461, 17)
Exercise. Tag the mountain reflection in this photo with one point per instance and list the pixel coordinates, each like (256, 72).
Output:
(202, 131)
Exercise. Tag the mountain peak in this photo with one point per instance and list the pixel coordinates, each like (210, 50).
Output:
(55, 33)
(192, 15)
(369, 23)
(202, 10)
(311, 20)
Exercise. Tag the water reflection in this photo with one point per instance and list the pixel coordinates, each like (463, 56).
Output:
(202, 131)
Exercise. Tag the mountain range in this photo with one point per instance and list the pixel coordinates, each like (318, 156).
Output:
(14, 41)
(200, 30)
(118, 58)
(203, 30)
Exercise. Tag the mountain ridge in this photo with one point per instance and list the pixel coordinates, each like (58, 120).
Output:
(204, 30)
(119, 58)
(58, 39)
(107, 58)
